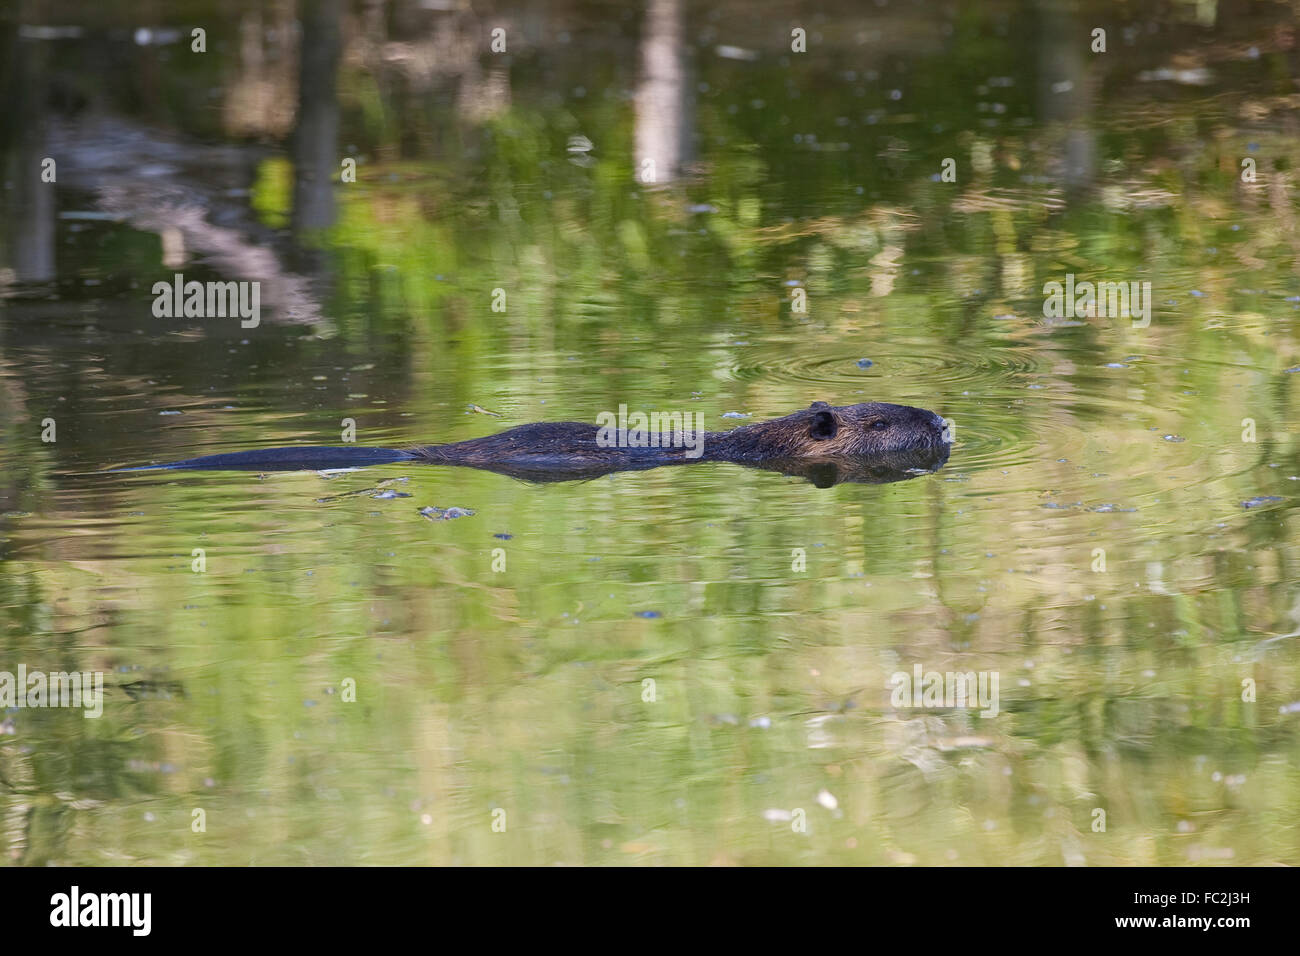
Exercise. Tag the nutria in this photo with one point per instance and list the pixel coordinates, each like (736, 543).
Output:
(872, 442)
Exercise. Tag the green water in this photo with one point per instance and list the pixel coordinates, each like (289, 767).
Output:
(689, 665)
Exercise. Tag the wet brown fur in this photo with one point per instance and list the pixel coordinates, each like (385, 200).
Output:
(873, 442)
(821, 431)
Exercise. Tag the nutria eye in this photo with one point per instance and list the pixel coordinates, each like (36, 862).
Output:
(879, 423)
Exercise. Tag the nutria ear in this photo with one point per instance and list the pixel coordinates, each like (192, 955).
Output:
(819, 405)
(823, 425)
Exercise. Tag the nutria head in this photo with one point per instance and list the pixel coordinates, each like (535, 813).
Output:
(872, 428)
(844, 431)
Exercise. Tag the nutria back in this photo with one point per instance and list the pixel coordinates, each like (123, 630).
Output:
(819, 431)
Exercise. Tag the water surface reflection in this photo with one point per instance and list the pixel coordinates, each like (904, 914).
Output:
(656, 666)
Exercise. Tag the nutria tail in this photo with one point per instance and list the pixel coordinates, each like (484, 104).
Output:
(293, 458)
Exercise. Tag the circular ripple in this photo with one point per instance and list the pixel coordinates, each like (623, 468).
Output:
(890, 368)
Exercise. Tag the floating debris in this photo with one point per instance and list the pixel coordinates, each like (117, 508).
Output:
(865, 363)
(153, 689)
(1260, 500)
(728, 52)
(162, 36)
(381, 490)
(648, 614)
(736, 415)
(445, 514)
(79, 214)
(33, 32)
(480, 410)
(1195, 76)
